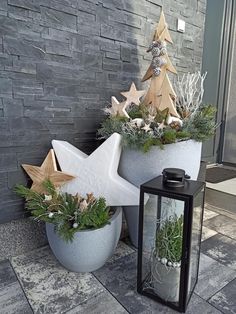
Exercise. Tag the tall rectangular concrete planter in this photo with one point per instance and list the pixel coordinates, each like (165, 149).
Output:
(138, 167)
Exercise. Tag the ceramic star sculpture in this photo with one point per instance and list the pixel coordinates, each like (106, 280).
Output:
(47, 171)
(97, 173)
(133, 95)
(117, 108)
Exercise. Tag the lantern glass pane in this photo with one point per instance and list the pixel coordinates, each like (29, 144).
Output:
(162, 247)
(195, 240)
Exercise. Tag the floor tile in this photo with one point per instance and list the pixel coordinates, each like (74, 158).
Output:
(222, 224)
(49, 287)
(225, 299)
(119, 278)
(222, 249)
(209, 214)
(7, 275)
(102, 303)
(199, 306)
(12, 298)
(221, 211)
(213, 276)
(207, 233)
(122, 250)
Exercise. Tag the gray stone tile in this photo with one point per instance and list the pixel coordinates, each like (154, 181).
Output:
(222, 224)
(213, 276)
(121, 251)
(200, 306)
(12, 298)
(119, 277)
(221, 211)
(209, 214)
(7, 275)
(207, 233)
(222, 249)
(225, 299)
(49, 287)
(102, 303)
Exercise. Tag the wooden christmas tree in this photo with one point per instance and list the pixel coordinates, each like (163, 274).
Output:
(160, 94)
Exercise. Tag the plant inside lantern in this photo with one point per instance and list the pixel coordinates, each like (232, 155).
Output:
(169, 241)
(166, 258)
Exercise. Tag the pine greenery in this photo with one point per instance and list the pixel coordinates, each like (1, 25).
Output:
(199, 127)
(69, 213)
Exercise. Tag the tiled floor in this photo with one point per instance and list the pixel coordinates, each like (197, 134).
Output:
(36, 283)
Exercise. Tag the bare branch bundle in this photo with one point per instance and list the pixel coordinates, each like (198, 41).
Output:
(190, 91)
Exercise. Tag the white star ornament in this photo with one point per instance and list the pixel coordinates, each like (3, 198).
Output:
(97, 173)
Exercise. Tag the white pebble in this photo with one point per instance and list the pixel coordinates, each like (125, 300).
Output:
(164, 261)
(75, 225)
(169, 263)
(50, 215)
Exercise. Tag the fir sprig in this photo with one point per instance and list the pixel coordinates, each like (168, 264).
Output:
(69, 213)
(200, 126)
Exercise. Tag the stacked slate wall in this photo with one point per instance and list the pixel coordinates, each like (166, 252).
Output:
(60, 62)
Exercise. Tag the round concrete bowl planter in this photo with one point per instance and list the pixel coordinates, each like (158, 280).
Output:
(138, 167)
(90, 249)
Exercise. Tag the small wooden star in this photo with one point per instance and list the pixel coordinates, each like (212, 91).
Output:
(118, 108)
(161, 126)
(47, 171)
(147, 128)
(133, 95)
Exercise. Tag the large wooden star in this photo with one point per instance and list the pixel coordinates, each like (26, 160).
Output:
(133, 95)
(118, 108)
(47, 171)
(97, 173)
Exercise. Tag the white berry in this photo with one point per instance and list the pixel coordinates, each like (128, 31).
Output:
(75, 225)
(50, 215)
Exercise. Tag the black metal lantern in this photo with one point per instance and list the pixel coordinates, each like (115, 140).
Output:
(170, 226)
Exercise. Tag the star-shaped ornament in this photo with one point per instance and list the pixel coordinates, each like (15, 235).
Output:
(161, 126)
(133, 95)
(151, 118)
(118, 108)
(47, 171)
(147, 128)
(97, 173)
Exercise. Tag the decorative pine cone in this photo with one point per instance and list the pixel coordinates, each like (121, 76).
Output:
(175, 125)
(157, 71)
(156, 51)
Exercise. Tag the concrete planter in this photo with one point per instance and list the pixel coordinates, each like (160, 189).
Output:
(90, 249)
(166, 281)
(138, 167)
